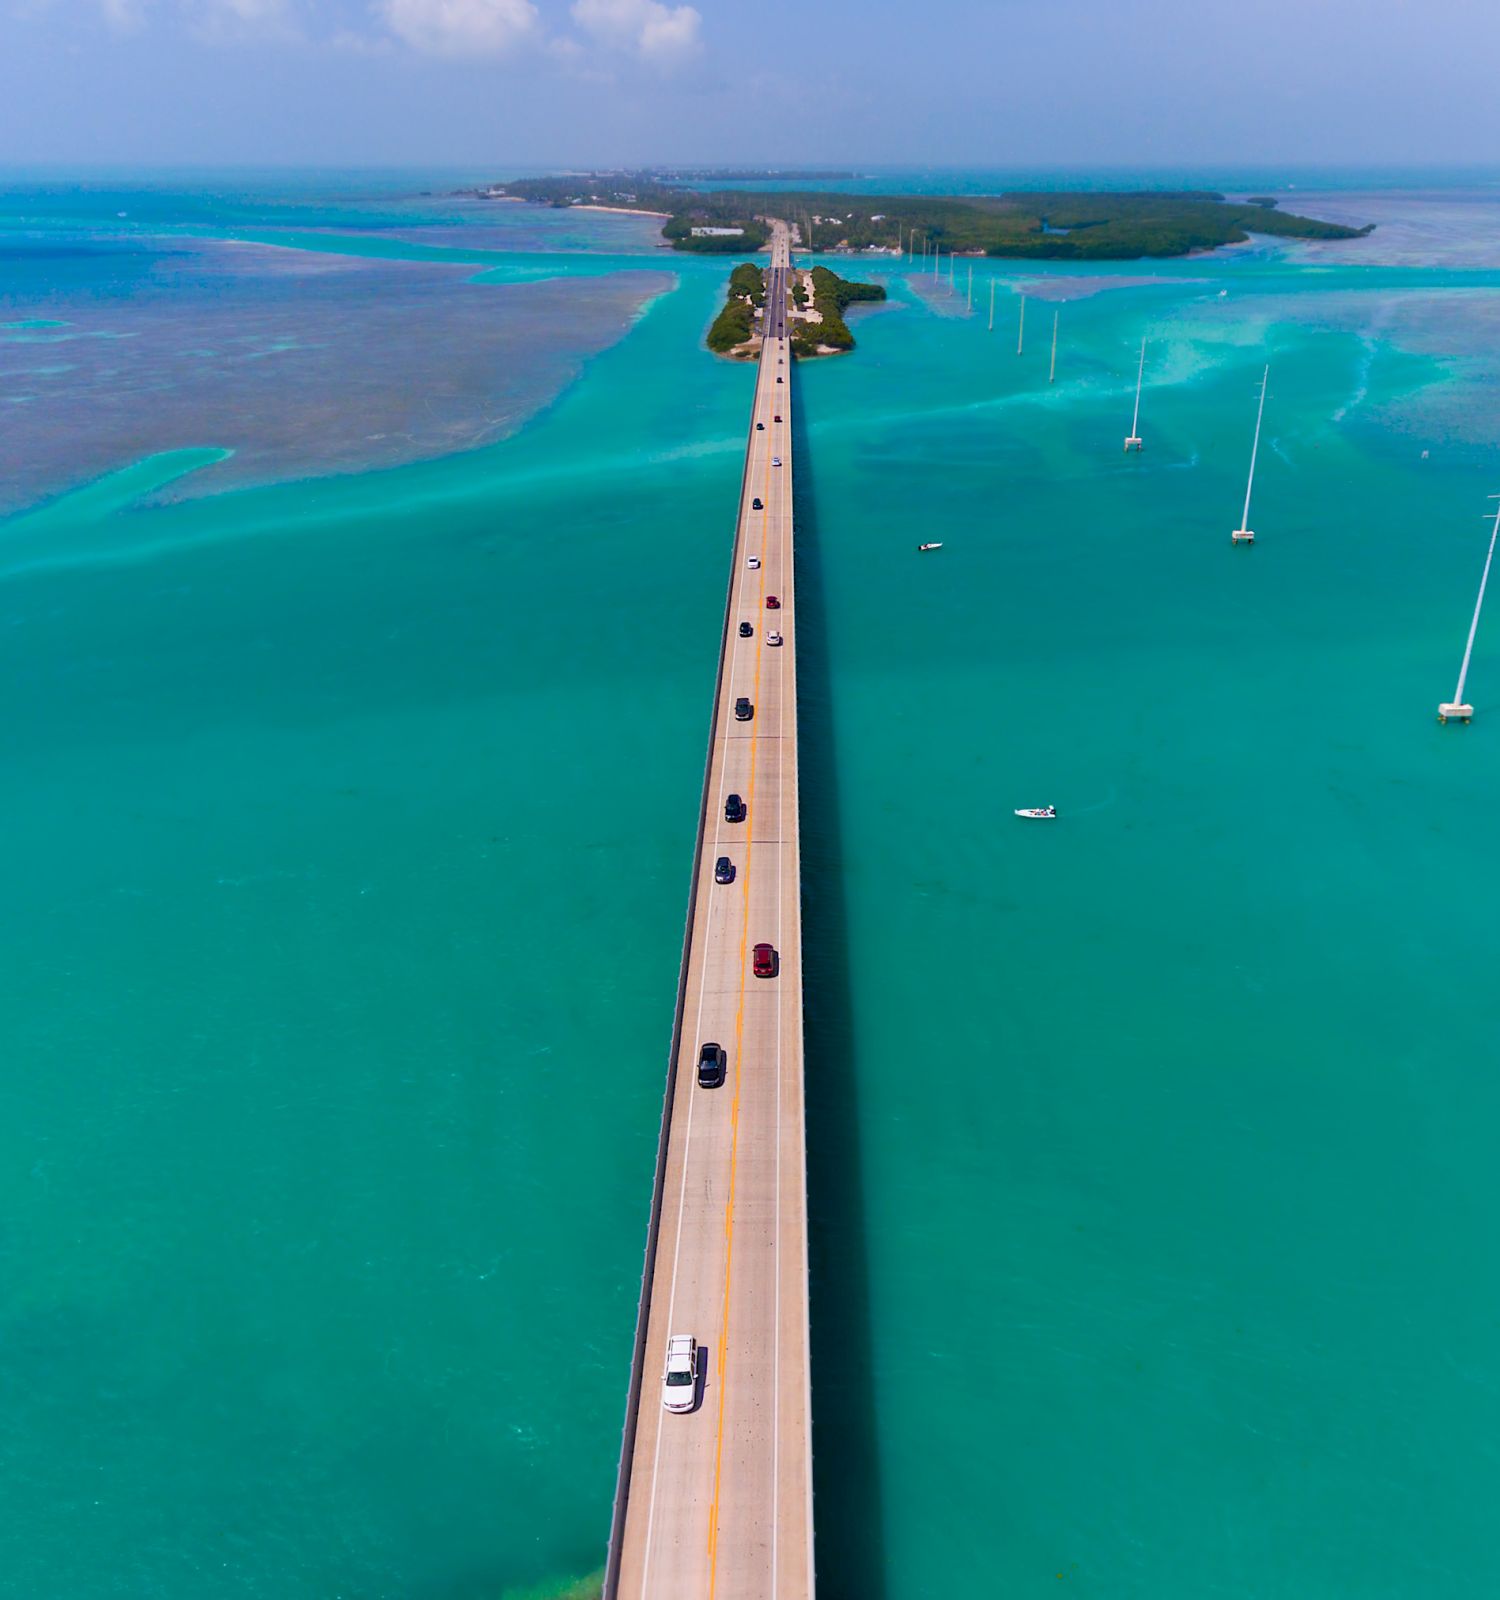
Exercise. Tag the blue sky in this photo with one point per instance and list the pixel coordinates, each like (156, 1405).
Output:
(991, 83)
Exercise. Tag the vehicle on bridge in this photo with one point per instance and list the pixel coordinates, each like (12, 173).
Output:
(743, 710)
(734, 809)
(746, 630)
(710, 1066)
(775, 461)
(723, 870)
(755, 504)
(773, 637)
(760, 427)
(679, 1388)
(753, 562)
(772, 603)
(764, 965)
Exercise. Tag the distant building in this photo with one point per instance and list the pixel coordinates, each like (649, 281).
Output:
(717, 233)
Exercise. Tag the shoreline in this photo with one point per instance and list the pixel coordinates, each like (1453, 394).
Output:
(624, 211)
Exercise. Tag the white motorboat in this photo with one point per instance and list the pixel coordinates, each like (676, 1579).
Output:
(936, 546)
(1041, 813)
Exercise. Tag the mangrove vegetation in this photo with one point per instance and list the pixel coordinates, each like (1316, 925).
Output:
(735, 324)
(830, 295)
(1057, 226)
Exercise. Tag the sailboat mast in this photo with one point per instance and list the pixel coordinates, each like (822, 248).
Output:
(1242, 534)
(1140, 373)
(1021, 332)
(1052, 370)
(1463, 671)
(1134, 441)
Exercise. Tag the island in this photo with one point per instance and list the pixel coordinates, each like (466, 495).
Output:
(816, 317)
(1104, 226)
(819, 329)
(733, 330)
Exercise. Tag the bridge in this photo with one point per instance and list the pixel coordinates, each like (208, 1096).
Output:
(716, 1503)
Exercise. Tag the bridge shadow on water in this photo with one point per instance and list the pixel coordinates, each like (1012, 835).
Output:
(848, 1510)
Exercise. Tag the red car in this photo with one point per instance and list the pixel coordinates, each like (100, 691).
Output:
(772, 603)
(765, 961)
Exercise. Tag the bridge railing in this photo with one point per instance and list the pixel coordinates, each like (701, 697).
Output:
(653, 1229)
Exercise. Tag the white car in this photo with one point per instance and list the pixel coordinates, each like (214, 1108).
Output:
(679, 1386)
(753, 562)
(773, 637)
(775, 461)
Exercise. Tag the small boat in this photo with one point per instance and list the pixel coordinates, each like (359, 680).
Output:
(1042, 813)
(937, 546)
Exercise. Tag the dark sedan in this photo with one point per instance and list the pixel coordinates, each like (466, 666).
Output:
(710, 1066)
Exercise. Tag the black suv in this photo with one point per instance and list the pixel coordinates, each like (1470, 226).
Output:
(710, 1066)
(746, 630)
(723, 870)
(734, 809)
(755, 504)
(743, 710)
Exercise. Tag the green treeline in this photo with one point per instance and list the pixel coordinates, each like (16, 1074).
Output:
(830, 294)
(679, 229)
(1080, 227)
(749, 279)
(736, 322)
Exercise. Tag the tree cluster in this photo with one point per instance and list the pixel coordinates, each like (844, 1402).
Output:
(830, 294)
(736, 322)
(1061, 226)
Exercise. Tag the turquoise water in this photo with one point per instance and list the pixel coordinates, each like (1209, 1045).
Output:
(348, 826)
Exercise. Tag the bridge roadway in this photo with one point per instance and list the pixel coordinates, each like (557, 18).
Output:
(717, 1504)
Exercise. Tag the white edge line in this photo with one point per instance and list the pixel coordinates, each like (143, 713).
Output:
(720, 737)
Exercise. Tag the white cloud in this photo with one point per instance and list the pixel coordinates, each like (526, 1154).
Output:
(651, 30)
(124, 16)
(234, 21)
(460, 27)
(217, 21)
